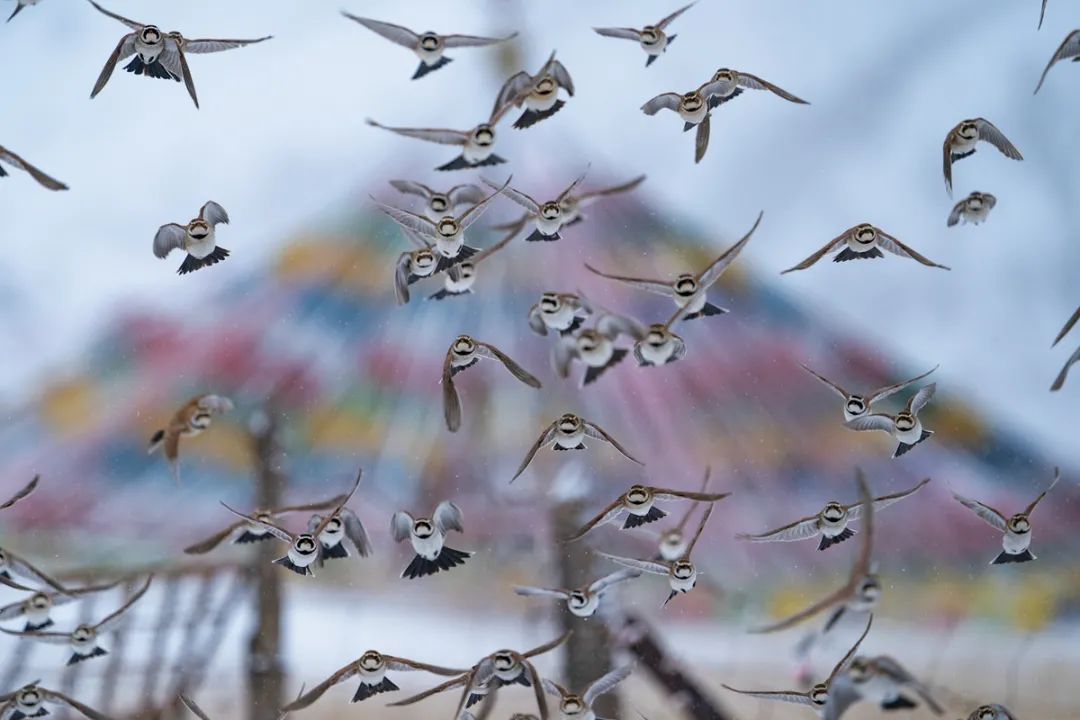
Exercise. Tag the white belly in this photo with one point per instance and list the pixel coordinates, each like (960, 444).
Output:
(301, 561)
(202, 247)
(878, 689)
(372, 677)
(548, 227)
(683, 584)
(695, 301)
(641, 510)
(599, 355)
(37, 616)
(909, 436)
(1015, 544)
(858, 247)
(429, 547)
(430, 57)
(963, 145)
(460, 285)
(656, 354)
(147, 53)
(694, 116)
(832, 529)
(541, 103)
(672, 550)
(450, 246)
(588, 608)
(657, 47)
(976, 215)
(560, 319)
(569, 441)
(475, 153)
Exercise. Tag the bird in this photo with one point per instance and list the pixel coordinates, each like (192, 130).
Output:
(191, 420)
(993, 711)
(463, 353)
(962, 139)
(562, 312)
(832, 522)
(547, 216)
(438, 205)
(857, 405)
(371, 670)
(84, 638)
(539, 94)
(338, 532)
(22, 494)
(583, 601)
(198, 239)
(639, 504)
(305, 549)
(734, 82)
(446, 235)
(595, 347)
(573, 204)
(693, 108)
(413, 266)
(817, 697)
(477, 144)
(579, 705)
(30, 701)
(880, 680)
(428, 46)
(459, 279)
(652, 38)
(158, 54)
(16, 161)
(672, 542)
(861, 242)
(1015, 530)
(682, 574)
(502, 667)
(11, 566)
(427, 535)
(1068, 50)
(905, 426)
(659, 345)
(36, 608)
(569, 433)
(861, 591)
(973, 209)
(243, 532)
(689, 289)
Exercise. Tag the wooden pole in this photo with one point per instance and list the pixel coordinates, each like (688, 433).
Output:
(266, 677)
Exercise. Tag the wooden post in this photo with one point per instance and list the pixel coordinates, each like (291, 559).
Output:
(587, 655)
(265, 672)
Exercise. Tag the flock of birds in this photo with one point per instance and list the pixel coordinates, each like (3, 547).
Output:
(584, 333)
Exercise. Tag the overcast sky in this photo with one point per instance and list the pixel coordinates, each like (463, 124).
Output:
(280, 142)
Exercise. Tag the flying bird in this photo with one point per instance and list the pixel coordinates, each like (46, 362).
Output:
(462, 354)
(583, 601)
(733, 82)
(652, 38)
(1015, 530)
(539, 93)
(305, 549)
(428, 46)
(11, 566)
(37, 608)
(158, 54)
(243, 532)
(689, 289)
(817, 697)
(547, 216)
(198, 239)
(339, 532)
(427, 535)
(639, 504)
(595, 347)
(561, 312)
(22, 494)
(905, 426)
(371, 670)
(30, 700)
(832, 522)
(880, 680)
(862, 242)
(857, 405)
(413, 266)
(973, 209)
(16, 161)
(660, 345)
(962, 139)
(693, 108)
(83, 640)
(861, 591)
(569, 433)
(993, 711)
(189, 421)
(438, 205)
(1068, 50)
(459, 279)
(579, 706)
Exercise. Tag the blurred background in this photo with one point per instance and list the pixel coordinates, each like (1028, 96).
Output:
(102, 342)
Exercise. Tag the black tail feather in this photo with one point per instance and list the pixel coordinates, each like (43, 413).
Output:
(633, 521)
(247, 537)
(903, 448)
(490, 160)
(717, 101)
(3, 172)
(573, 327)
(76, 658)
(455, 369)
(592, 373)
(900, 703)
(1005, 558)
(961, 156)
(849, 254)
(687, 127)
(531, 117)
(424, 68)
(335, 552)
(444, 293)
(287, 563)
(473, 699)
(154, 69)
(18, 9)
(560, 448)
(365, 691)
(448, 558)
(34, 627)
(537, 236)
(192, 263)
(827, 542)
(650, 60)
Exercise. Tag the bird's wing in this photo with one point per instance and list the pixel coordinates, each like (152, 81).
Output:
(447, 517)
(753, 82)
(24, 492)
(411, 187)
(590, 196)
(441, 687)
(660, 287)
(882, 393)
(548, 646)
(168, 238)
(845, 661)
(59, 697)
(842, 695)
(523, 199)
(919, 400)
(595, 431)
(789, 696)
(213, 213)
(667, 20)
(490, 351)
(608, 514)
(515, 87)
(876, 421)
(666, 494)
(620, 33)
(711, 274)
(700, 528)
(42, 179)
(836, 388)
(570, 188)
(896, 247)
(701, 138)
(833, 598)
(612, 325)
(605, 683)
(880, 503)
(1059, 381)
(1068, 326)
(991, 516)
(546, 436)
(319, 690)
(456, 41)
(466, 194)
(828, 248)
(409, 220)
(529, 591)
(649, 566)
(112, 620)
(279, 532)
(1036, 501)
(205, 546)
(663, 101)
(213, 45)
(451, 399)
(355, 532)
(989, 132)
(25, 569)
(491, 250)
(401, 664)
(946, 160)
(401, 525)
(954, 216)
(130, 23)
(124, 48)
(394, 33)
(193, 707)
(441, 136)
(473, 213)
(599, 586)
(861, 567)
(802, 529)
